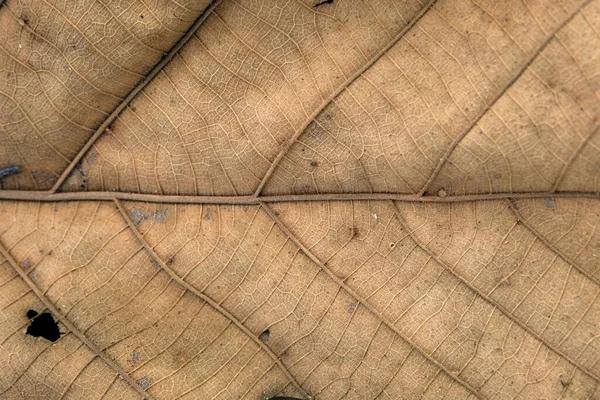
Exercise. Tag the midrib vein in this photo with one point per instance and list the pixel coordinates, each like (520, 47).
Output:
(25, 195)
(72, 328)
(335, 94)
(208, 299)
(486, 298)
(363, 302)
(123, 104)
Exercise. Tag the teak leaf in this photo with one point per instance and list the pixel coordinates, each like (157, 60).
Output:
(300, 199)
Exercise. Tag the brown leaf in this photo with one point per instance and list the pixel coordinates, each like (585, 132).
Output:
(261, 200)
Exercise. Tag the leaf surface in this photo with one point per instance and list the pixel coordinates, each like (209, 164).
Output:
(391, 200)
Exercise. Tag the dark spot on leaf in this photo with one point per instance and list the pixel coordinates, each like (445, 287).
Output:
(352, 306)
(323, 3)
(135, 358)
(142, 16)
(314, 164)
(265, 335)
(207, 214)
(355, 232)
(145, 382)
(24, 20)
(5, 172)
(139, 215)
(43, 325)
(92, 158)
(549, 203)
(26, 264)
(45, 180)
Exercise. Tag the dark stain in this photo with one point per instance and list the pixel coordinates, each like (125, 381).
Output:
(355, 232)
(92, 158)
(323, 3)
(564, 384)
(145, 382)
(135, 358)
(139, 215)
(43, 325)
(24, 20)
(314, 130)
(170, 260)
(81, 170)
(549, 203)
(207, 214)
(265, 335)
(352, 306)
(26, 265)
(11, 170)
(45, 180)
(314, 164)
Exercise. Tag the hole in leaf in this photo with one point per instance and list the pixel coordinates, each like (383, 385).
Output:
(265, 335)
(43, 325)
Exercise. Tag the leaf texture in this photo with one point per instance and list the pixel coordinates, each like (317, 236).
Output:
(336, 200)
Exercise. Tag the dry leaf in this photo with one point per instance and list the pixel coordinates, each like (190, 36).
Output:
(303, 199)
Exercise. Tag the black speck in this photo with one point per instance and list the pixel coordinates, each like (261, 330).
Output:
(43, 325)
(314, 164)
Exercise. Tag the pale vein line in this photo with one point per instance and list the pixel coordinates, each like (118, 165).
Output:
(489, 300)
(573, 156)
(157, 68)
(500, 93)
(547, 243)
(358, 298)
(335, 94)
(207, 299)
(25, 195)
(72, 328)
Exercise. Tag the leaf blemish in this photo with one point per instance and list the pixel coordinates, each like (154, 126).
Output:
(5, 172)
(139, 215)
(43, 325)
(264, 336)
(145, 382)
(135, 358)
(323, 3)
